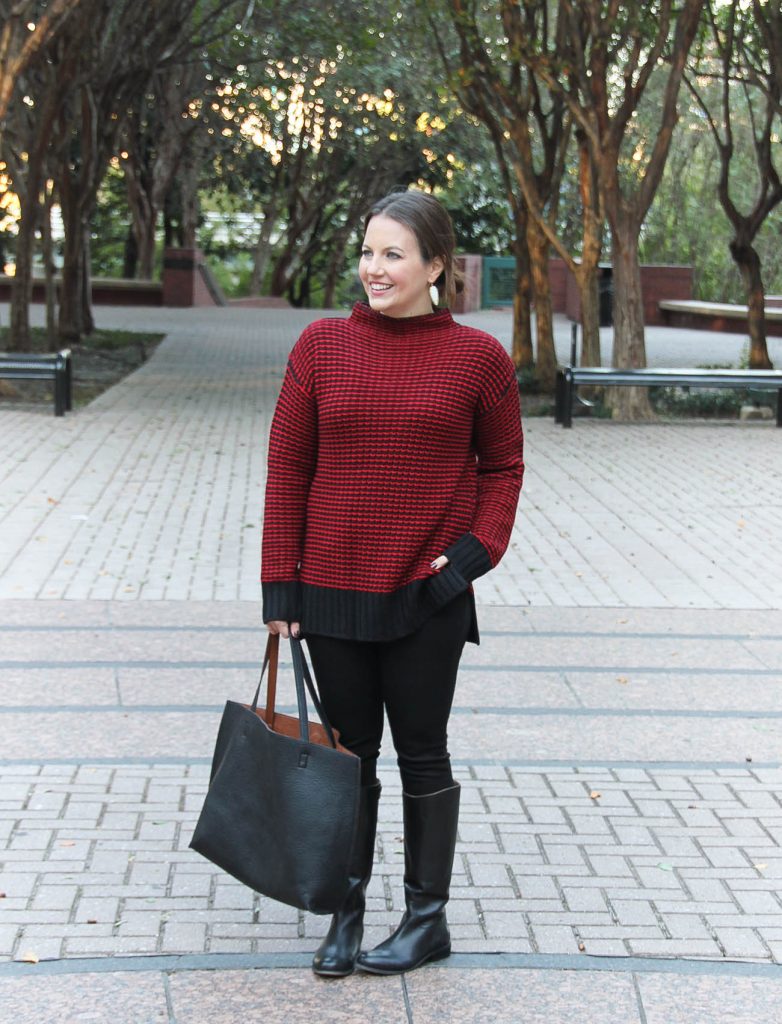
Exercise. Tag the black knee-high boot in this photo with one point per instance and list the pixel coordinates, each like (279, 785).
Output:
(336, 955)
(430, 839)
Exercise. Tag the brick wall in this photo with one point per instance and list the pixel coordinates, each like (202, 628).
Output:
(185, 279)
(658, 281)
(558, 276)
(662, 281)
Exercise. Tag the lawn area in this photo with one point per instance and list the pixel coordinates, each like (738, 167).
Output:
(99, 361)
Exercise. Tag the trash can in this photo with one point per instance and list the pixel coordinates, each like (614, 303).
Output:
(605, 290)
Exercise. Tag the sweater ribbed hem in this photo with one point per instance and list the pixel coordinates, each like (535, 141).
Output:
(469, 556)
(281, 601)
(360, 615)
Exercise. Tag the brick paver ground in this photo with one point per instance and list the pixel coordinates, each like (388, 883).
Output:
(154, 491)
(617, 733)
(608, 861)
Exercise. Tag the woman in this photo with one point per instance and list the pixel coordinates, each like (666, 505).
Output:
(395, 465)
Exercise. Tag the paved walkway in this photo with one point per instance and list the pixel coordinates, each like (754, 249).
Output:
(154, 491)
(616, 734)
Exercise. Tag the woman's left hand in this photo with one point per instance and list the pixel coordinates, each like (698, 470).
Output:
(439, 563)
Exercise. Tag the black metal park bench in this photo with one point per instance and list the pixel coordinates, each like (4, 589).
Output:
(54, 366)
(569, 377)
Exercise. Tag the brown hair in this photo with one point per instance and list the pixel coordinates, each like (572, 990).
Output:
(430, 223)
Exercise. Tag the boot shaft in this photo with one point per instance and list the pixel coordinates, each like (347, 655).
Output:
(430, 842)
(430, 824)
(337, 953)
(364, 845)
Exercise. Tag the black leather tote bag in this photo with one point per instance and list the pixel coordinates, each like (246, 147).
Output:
(281, 810)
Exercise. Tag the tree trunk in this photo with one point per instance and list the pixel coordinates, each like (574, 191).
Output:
(172, 214)
(130, 255)
(87, 319)
(589, 295)
(281, 275)
(48, 263)
(629, 351)
(22, 283)
(336, 263)
(145, 240)
(591, 247)
(71, 320)
(302, 300)
(523, 353)
(335, 267)
(188, 192)
(263, 248)
(748, 262)
(546, 362)
(170, 231)
(143, 216)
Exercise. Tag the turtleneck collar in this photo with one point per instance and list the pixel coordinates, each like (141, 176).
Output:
(364, 316)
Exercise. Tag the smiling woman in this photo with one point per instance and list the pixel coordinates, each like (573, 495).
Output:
(416, 228)
(395, 464)
(395, 275)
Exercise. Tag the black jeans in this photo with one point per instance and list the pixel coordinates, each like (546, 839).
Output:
(413, 678)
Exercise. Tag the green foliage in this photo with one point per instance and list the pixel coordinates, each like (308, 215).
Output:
(528, 384)
(710, 403)
(687, 225)
(704, 403)
(108, 340)
(473, 193)
(721, 182)
(233, 273)
(99, 339)
(314, 117)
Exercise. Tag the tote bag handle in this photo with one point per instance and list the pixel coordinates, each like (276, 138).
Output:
(304, 685)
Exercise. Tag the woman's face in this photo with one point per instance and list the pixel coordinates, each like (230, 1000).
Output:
(392, 270)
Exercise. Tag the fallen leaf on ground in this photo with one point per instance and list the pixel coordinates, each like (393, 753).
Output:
(67, 842)
(622, 679)
(29, 958)
(664, 866)
(595, 795)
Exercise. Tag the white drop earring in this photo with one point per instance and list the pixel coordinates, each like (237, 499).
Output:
(434, 294)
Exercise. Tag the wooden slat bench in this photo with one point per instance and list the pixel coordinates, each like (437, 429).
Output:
(54, 366)
(569, 377)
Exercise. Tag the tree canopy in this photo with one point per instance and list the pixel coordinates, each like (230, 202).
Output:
(589, 129)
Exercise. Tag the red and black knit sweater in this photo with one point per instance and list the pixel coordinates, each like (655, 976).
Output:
(394, 441)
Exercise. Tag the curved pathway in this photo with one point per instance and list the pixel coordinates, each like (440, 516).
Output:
(617, 733)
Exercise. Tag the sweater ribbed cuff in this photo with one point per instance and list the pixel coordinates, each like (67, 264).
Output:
(446, 584)
(282, 601)
(469, 556)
